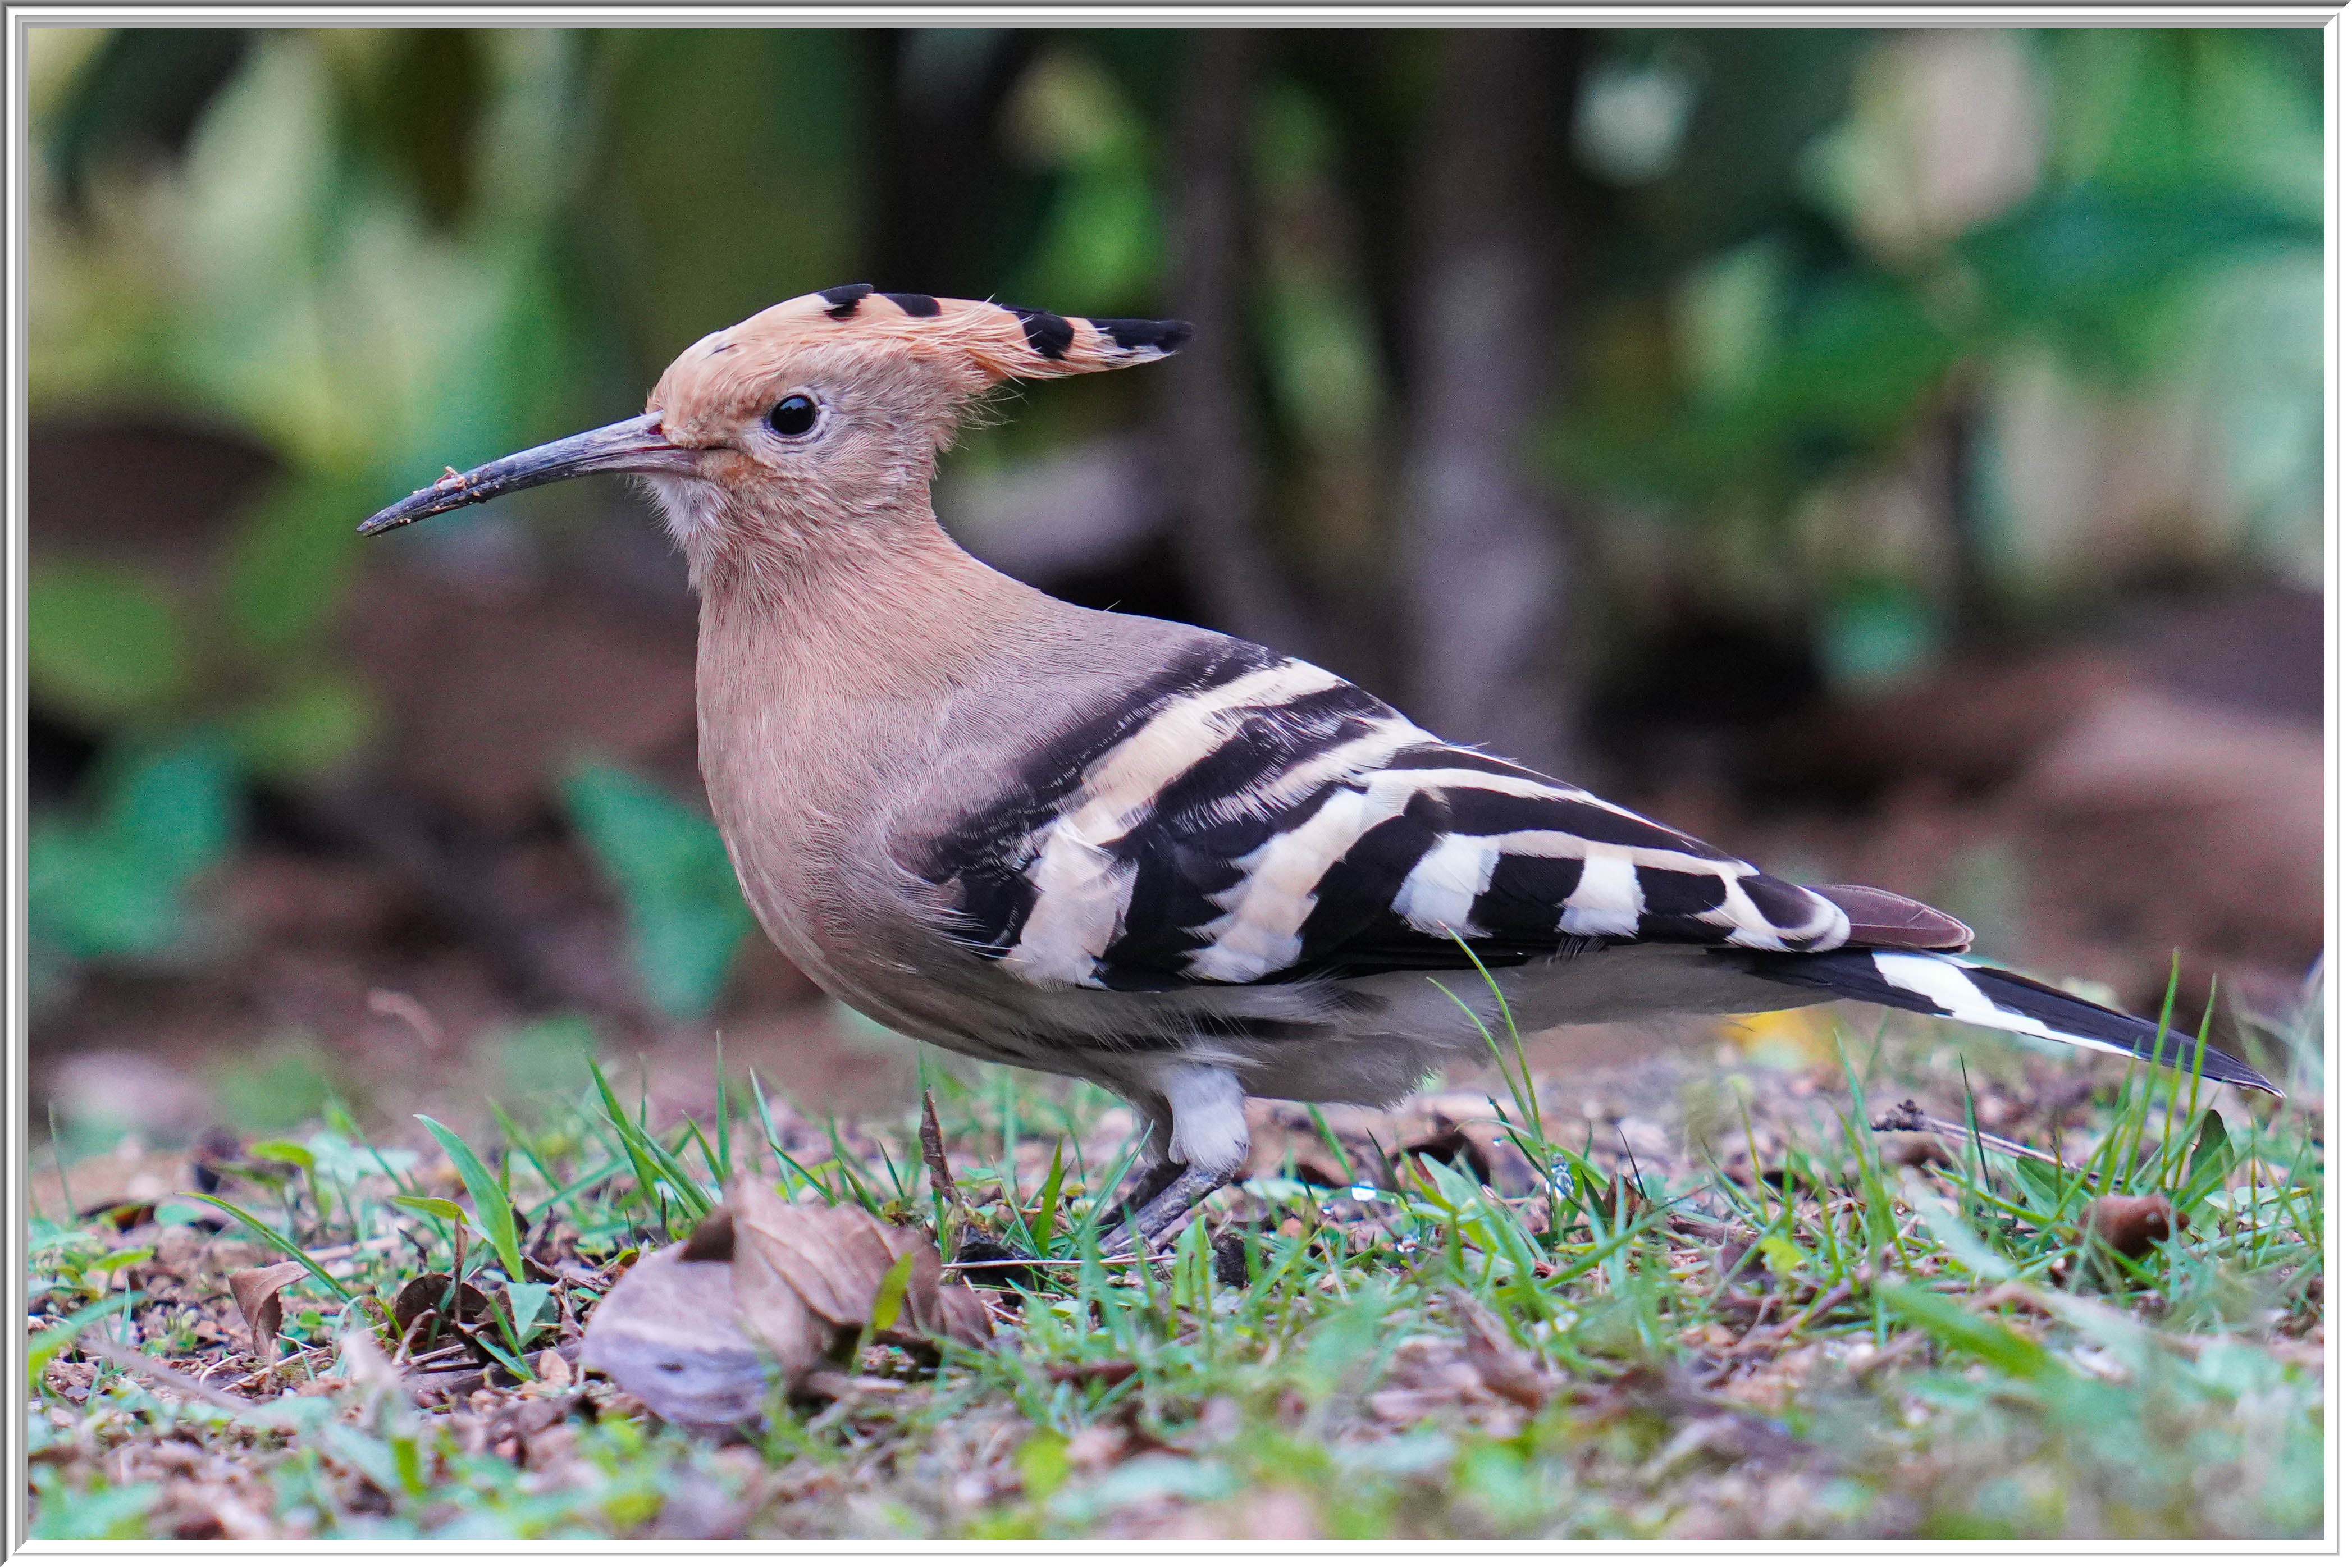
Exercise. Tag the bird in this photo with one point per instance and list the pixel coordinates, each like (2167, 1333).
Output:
(1170, 861)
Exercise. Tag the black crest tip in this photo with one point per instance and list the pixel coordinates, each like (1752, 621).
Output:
(841, 300)
(1138, 336)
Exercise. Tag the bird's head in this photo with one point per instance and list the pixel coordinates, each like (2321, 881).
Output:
(818, 415)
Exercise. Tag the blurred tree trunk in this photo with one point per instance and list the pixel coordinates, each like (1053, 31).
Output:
(1208, 420)
(944, 196)
(1489, 568)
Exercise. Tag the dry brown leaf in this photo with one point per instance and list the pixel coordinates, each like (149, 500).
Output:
(764, 1286)
(668, 1333)
(834, 1259)
(422, 1298)
(256, 1290)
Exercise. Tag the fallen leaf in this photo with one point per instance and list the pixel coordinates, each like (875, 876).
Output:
(256, 1290)
(667, 1334)
(767, 1288)
(835, 1260)
(2133, 1225)
(832, 1258)
(422, 1298)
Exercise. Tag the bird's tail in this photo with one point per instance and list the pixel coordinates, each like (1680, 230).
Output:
(1942, 987)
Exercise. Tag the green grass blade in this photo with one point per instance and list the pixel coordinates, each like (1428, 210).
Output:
(493, 1210)
(768, 1125)
(647, 1183)
(1331, 1142)
(1041, 1230)
(712, 1161)
(725, 1120)
(517, 1139)
(655, 1166)
(44, 1346)
(274, 1238)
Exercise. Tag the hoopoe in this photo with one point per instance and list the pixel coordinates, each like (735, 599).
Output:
(1185, 867)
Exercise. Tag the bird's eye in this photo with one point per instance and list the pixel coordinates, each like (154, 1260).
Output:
(793, 416)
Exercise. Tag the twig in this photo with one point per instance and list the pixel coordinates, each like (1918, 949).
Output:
(1908, 1118)
(1057, 1262)
(169, 1376)
(935, 1157)
(301, 1356)
(1766, 1334)
(1892, 1351)
(1707, 1230)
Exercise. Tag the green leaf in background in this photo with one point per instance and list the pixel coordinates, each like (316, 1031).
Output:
(778, 112)
(1955, 1235)
(890, 1295)
(102, 642)
(115, 886)
(283, 1149)
(289, 561)
(685, 913)
(2045, 1184)
(2211, 1162)
(1874, 633)
(313, 724)
(273, 1084)
(2098, 271)
(176, 809)
(493, 1213)
(1049, 1204)
(525, 1305)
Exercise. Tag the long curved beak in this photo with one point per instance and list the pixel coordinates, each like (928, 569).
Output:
(632, 446)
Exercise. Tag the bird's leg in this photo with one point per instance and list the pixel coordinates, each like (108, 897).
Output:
(1140, 1189)
(1206, 1141)
(1152, 1170)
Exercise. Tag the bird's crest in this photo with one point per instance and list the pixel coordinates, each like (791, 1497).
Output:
(1005, 341)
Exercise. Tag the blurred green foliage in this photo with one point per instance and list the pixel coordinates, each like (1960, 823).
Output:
(686, 916)
(1806, 264)
(1978, 207)
(113, 883)
(1826, 333)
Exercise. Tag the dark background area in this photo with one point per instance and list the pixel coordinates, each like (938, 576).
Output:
(1892, 455)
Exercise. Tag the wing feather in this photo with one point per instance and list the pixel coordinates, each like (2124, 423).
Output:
(1241, 817)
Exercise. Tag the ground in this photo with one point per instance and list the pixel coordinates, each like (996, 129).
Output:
(1738, 1311)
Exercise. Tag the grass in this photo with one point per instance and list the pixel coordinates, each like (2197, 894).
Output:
(1768, 1321)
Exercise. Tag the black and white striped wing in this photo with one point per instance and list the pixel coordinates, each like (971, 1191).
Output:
(1243, 818)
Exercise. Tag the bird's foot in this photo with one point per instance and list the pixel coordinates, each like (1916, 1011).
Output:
(1156, 1221)
(1141, 1190)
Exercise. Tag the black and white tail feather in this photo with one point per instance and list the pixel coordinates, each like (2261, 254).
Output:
(1239, 876)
